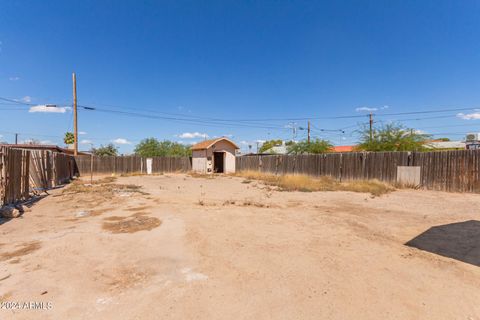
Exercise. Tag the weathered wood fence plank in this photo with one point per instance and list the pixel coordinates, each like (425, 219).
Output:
(24, 173)
(131, 164)
(456, 171)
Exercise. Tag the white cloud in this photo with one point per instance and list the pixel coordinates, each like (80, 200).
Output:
(365, 109)
(86, 141)
(187, 142)
(82, 132)
(121, 141)
(34, 141)
(384, 107)
(192, 135)
(26, 99)
(469, 116)
(14, 78)
(48, 109)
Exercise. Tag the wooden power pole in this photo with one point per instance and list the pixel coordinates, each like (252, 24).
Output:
(371, 127)
(75, 128)
(308, 132)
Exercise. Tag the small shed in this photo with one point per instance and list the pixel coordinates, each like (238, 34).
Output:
(214, 156)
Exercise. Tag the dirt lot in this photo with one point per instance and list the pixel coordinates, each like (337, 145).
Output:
(225, 248)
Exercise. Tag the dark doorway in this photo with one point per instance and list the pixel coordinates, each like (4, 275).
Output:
(460, 241)
(218, 159)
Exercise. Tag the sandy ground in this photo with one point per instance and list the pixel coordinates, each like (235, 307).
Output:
(225, 249)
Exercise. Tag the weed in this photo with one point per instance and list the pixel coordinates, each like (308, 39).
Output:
(131, 224)
(306, 183)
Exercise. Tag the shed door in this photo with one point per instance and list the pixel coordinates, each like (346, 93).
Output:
(218, 162)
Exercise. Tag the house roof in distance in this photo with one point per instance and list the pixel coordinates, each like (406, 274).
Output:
(49, 147)
(343, 148)
(208, 143)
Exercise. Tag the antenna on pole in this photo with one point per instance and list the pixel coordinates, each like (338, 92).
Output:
(308, 133)
(75, 128)
(371, 126)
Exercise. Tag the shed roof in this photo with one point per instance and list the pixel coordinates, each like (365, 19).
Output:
(208, 143)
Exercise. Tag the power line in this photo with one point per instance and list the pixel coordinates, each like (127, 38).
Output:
(181, 120)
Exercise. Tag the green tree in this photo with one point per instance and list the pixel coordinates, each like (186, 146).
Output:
(174, 149)
(69, 138)
(151, 147)
(392, 137)
(108, 150)
(270, 144)
(314, 147)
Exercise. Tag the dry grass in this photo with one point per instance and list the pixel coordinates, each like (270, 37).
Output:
(308, 184)
(137, 208)
(201, 175)
(5, 297)
(102, 186)
(131, 224)
(25, 248)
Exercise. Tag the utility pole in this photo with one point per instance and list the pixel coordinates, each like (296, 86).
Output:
(75, 128)
(16, 138)
(371, 127)
(293, 126)
(308, 132)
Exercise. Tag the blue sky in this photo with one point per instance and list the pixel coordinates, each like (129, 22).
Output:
(256, 61)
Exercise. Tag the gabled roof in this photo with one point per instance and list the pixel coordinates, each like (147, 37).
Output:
(208, 143)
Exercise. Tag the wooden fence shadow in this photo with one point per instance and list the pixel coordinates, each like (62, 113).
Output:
(460, 241)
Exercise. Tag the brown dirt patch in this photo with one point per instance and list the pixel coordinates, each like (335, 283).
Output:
(138, 208)
(114, 218)
(120, 279)
(5, 297)
(25, 248)
(98, 212)
(134, 223)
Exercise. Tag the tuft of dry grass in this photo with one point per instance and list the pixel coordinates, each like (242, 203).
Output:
(308, 184)
(141, 208)
(131, 224)
(194, 174)
(102, 186)
(5, 297)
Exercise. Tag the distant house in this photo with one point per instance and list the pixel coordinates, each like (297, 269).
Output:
(46, 147)
(214, 156)
(441, 144)
(282, 149)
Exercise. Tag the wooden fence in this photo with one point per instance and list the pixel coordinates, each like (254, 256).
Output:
(131, 164)
(24, 173)
(457, 171)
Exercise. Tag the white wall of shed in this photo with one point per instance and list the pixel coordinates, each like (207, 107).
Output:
(199, 161)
